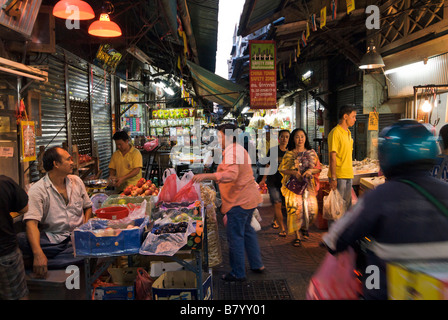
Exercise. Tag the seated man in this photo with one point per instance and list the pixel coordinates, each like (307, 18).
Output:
(58, 203)
(126, 164)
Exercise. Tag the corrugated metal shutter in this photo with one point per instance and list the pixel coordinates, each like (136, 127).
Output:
(387, 119)
(78, 85)
(53, 116)
(102, 120)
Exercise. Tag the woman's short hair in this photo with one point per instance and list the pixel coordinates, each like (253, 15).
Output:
(292, 144)
(49, 157)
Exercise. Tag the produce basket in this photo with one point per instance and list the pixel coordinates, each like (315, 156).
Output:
(116, 200)
(114, 213)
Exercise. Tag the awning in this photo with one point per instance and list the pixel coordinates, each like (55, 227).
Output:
(215, 88)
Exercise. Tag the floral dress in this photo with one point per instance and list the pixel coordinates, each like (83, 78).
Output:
(301, 209)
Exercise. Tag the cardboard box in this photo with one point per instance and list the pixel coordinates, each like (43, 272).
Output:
(87, 242)
(159, 267)
(114, 293)
(422, 280)
(123, 276)
(181, 285)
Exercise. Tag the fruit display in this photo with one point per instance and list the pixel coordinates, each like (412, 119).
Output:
(142, 188)
(170, 228)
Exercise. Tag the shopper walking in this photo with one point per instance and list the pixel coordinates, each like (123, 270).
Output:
(12, 271)
(400, 222)
(300, 167)
(273, 181)
(240, 196)
(340, 149)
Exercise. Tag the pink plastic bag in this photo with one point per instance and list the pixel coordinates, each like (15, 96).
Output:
(169, 189)
(143, 285)
(336, 279)
(187, 193)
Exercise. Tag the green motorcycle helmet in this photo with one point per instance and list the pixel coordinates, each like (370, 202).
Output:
(406, 142)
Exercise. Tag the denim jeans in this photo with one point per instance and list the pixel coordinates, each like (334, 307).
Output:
(345, 189)
(59, 255)
(242, 239)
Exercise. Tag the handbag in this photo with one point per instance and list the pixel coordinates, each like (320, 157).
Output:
(296, 186)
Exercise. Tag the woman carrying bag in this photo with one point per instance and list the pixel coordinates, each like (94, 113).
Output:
(300, 169)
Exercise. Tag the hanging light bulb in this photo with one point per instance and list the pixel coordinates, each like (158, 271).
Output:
(73, 9)
(104, 27)
(426, 107)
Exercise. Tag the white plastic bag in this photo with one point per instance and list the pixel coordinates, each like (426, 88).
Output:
(333, 206)
(255, 224)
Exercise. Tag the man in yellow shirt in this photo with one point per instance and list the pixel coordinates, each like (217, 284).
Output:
(340, 149)
(126, 164)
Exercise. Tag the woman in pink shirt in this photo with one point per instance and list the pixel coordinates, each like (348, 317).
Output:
(240, 196)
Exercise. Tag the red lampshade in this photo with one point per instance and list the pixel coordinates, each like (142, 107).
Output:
(63, 10)
(104, 27)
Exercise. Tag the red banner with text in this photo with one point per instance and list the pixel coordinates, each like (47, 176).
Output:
(263, 74)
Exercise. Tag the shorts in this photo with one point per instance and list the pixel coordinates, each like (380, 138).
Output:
(12, 276)
(274, 194)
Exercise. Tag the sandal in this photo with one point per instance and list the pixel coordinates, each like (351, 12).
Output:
(282, 234)
(297, 243)
(305, 233)
(274, 225)
(259, 270)
(231, 277)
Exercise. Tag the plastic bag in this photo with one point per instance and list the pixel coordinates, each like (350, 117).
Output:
(169, 189)
(143, 285)
(189, 192)
(335, 279)
(333, 206)
(166, 244)
(255, 224)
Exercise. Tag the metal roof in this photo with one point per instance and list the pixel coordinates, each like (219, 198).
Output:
(204, 21)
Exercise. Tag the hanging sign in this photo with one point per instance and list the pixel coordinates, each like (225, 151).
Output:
(350, 5)
(323, 17)
(263, 80)
(373, 121)
(107, 58)
(27, 130)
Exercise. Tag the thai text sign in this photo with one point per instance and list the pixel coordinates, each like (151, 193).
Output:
(263, 75)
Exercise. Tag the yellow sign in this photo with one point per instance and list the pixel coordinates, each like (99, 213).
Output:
(350, 5)
(27, 130)
(373, 121)
(323, 17)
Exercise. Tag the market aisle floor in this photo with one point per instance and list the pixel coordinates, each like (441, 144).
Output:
(282, 260)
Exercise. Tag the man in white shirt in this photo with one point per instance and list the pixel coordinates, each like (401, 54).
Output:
(58, 203)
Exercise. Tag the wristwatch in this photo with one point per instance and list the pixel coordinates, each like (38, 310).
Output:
(333, 179)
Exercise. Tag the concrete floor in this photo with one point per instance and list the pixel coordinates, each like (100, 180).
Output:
(282, 260)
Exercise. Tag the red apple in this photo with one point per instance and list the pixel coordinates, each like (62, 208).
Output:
(139, 191)
(127, 191)
(134, 193)
(148, 192)
(140, 184)
(149, 182)
(145, 186)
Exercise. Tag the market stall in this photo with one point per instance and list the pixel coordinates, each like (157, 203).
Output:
(134, 234)
(364, 169)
